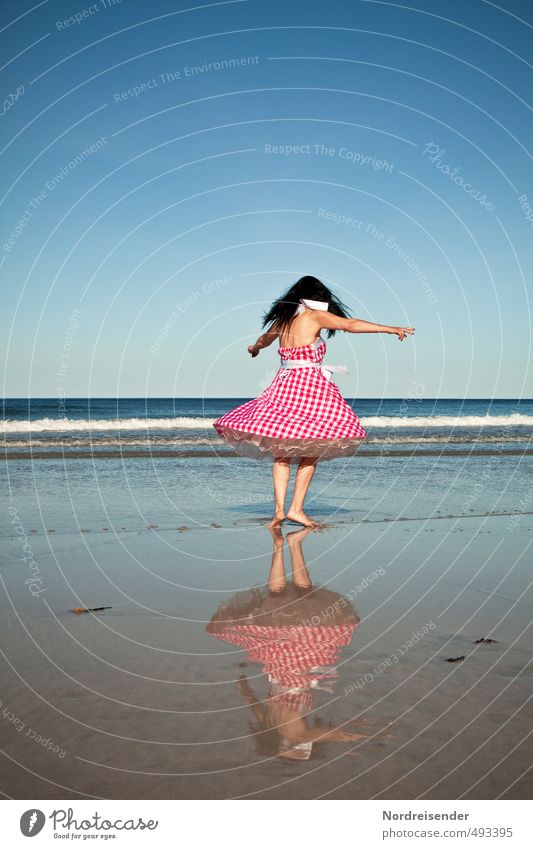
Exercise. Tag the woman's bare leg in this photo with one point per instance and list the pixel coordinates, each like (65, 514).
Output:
(276, 578)
(281, 472)
(304, 475)
(300, 575)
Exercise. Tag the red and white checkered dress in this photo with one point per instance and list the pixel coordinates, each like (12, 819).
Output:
(301, 414)
(295, 658)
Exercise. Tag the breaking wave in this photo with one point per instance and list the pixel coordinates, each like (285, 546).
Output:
(66, 425)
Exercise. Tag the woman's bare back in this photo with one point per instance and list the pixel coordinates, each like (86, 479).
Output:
(303, 330)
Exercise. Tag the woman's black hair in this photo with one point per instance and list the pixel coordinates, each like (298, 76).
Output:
(282, 311)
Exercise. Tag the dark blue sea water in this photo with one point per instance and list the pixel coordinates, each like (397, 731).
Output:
(150, 425)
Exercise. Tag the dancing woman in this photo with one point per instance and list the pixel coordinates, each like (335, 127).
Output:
(301, 417)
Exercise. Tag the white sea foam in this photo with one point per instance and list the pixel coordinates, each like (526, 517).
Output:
(106, 425)
(513, 420)
(197, 423)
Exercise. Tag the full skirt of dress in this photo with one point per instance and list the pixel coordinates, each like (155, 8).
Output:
(301, 414)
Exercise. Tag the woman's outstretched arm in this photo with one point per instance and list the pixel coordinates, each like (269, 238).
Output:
(255, 703)
(357, 325)
(264, 341)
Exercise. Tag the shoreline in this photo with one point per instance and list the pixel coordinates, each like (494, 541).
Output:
(291, 526)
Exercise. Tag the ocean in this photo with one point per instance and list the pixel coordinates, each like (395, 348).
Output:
(108, 427)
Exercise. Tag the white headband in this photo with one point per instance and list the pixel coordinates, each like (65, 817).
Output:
(311, 305)
(306, 748)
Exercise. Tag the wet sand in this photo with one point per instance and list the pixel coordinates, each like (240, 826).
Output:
(141, 701)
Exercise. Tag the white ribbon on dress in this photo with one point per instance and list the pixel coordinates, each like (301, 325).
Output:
(327, 370)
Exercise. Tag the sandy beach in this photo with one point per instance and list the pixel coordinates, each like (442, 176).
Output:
(141, 701)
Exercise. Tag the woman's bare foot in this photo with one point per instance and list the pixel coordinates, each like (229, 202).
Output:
(276, 534)
(296, 536)
(302, 519)
(277, 520)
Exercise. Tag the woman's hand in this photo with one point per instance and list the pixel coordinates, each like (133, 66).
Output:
(253, 350)
(402, 332)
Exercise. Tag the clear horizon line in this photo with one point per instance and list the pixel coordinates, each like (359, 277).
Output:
(228, 397)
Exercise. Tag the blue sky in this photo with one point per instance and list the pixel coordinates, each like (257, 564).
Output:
(169, 169)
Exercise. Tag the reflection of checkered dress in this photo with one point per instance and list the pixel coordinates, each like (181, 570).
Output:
(300, 404)
(291, 655)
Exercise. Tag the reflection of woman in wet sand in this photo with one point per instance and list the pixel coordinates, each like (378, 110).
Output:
(295, 632)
